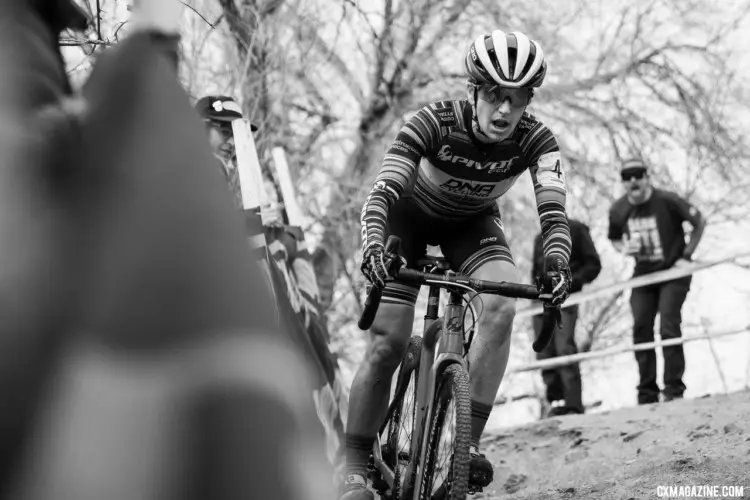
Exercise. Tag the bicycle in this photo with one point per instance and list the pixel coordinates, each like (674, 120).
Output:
(436, 378)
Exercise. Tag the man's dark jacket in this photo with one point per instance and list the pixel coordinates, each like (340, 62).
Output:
(585, 264)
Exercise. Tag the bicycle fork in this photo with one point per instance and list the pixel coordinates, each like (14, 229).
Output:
(449, 350)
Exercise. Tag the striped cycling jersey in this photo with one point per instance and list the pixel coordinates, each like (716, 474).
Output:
(454, 176)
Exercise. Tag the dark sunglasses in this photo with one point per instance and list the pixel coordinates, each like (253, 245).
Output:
(518, 98)
(626, 176)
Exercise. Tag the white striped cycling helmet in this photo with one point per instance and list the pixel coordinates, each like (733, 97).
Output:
(509, 60)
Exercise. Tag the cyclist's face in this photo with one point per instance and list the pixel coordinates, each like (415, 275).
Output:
(500, 109)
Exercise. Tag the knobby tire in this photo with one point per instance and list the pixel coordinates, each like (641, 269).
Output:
(452, 386)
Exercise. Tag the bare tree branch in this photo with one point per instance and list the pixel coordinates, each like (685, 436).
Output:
(81, 42)
(383, 47)
(373, 33)
(213, 26)
(99, 20)
(236, 24)
(603, 317)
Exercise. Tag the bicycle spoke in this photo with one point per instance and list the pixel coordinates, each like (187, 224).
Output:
(399, 429)
(444, 458)
(406, 425)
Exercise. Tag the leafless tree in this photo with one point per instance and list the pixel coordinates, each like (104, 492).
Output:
(332, 80)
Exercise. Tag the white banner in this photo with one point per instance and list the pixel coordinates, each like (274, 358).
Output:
(293, 210)
(248, 167)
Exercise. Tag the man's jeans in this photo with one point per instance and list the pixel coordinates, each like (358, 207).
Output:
(563, 382)
(666, 299)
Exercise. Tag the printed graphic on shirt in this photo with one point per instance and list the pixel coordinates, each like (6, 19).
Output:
(447, 155)
(451, 187)
(644, 229)
(447, 115)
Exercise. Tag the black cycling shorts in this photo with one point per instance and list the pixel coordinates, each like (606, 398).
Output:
(466, 244)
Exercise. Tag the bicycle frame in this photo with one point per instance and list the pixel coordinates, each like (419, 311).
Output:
(438, 351)
(441, 347)
(450, 349)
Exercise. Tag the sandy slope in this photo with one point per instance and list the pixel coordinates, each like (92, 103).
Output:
(625, 454)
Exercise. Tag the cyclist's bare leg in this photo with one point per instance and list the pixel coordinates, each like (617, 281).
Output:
(490, 349)
(368, 398)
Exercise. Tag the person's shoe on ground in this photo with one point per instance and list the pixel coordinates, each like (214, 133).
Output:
(671, 397)
(559, 411)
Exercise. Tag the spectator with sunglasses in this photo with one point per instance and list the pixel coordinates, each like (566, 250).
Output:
(647, 224)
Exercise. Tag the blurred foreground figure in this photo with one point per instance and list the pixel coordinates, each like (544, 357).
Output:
(142, 356)
(38, 188)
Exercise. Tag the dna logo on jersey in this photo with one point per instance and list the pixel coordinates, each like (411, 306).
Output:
(467, 188)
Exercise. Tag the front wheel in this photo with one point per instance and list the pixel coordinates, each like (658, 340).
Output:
(397, 430)
(446, 467)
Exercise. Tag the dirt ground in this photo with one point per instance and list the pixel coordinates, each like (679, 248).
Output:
(626, 454)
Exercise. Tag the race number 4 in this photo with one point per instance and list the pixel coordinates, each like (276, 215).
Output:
(549, 172)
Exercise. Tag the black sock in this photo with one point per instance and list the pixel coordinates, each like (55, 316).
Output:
(480, 412)
(358, 450)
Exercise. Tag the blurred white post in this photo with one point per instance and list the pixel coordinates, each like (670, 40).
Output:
(160, 15)
(251, 187)
(248, 166)
(293, 210)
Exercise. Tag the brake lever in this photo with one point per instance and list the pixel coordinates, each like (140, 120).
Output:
(543, 297)
(395, 264)
(557, 314)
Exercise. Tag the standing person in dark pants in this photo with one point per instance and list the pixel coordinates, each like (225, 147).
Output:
(646, 223)
(564, 383)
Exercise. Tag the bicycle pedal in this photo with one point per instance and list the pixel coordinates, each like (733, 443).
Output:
(381, 486)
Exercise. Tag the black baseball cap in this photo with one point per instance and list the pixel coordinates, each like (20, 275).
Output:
(633, 166)
(220, 109)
